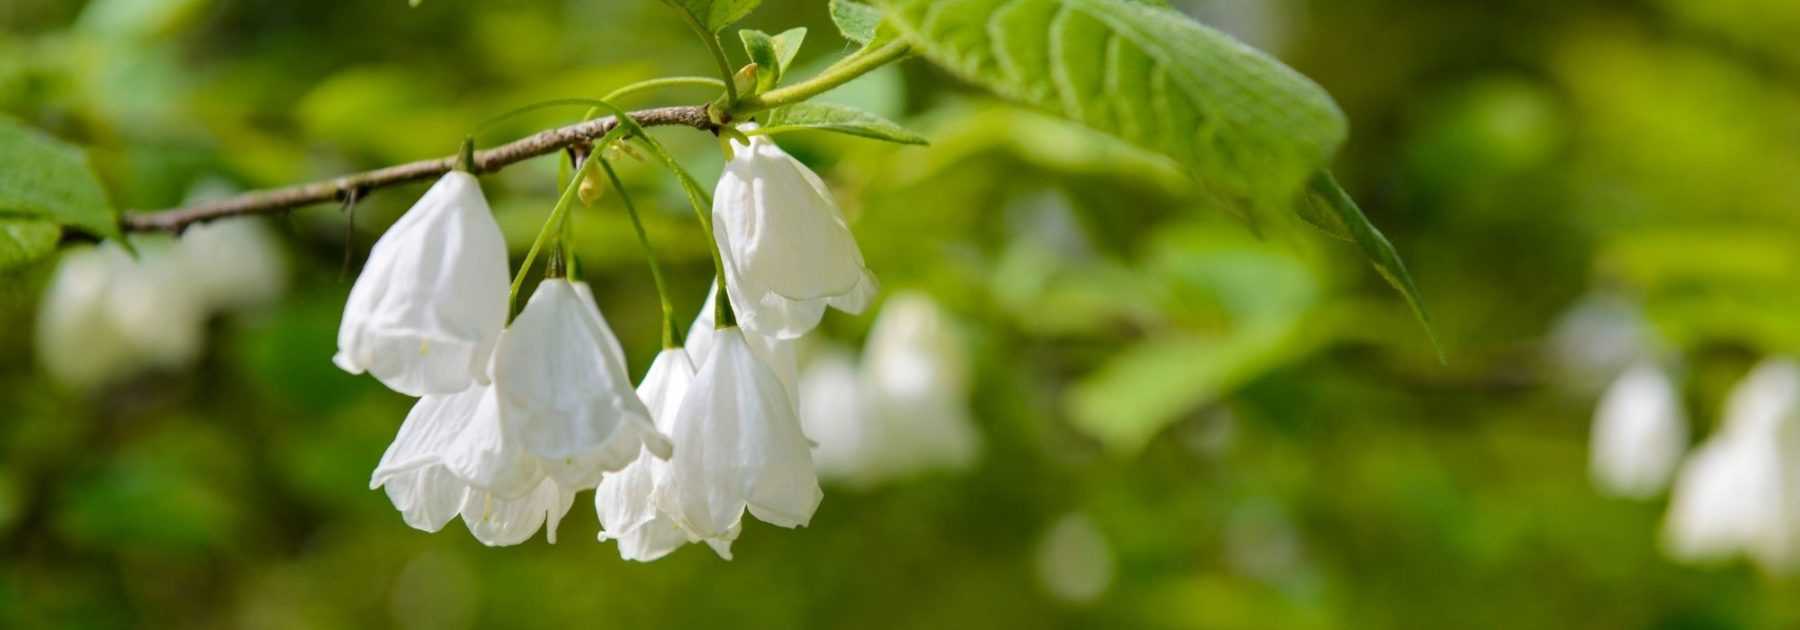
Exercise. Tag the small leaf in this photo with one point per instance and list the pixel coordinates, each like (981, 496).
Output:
(24, 241)
(42, 177)
(761, 50)
(1249, 129)
(1327, 202)
(787, 46)
(857, 21)
(840, 119)
(715, 15)
(772, 55)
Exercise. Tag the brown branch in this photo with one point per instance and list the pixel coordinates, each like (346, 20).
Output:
(359, 184)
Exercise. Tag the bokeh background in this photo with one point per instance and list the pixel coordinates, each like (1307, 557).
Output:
(1183, 425)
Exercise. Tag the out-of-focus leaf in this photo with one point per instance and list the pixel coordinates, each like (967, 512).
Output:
(45, 178)
(840, 119)
(24, 241)
(1264, 297)
(1332, 209)
(715, 15)
(1247, 127)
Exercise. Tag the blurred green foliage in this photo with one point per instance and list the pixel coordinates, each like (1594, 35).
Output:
(1255, 425)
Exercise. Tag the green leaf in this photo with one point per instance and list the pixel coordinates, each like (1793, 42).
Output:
(840, 119)
(1249, 129)
(1261, 296)
(857, 21)
(25, 241)
(1330, 208)
(772, 55)
(45, 178)
(715, 15)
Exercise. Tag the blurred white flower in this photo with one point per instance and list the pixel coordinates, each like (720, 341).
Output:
(107, 315)
(424, 315)
(904, 411)
(1598, 338)
(1740, 491)
(1639, 434)
(625, 501)
(233, 263)
(738, 446)
(787, 251)
(1074, 560)
(561, 377)
(453, 455)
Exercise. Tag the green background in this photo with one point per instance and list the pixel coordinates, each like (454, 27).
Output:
(1257, 427)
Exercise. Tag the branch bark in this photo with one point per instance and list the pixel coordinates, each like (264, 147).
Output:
(340, 188)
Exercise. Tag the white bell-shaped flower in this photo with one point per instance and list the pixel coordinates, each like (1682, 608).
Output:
(424, 315)
(107, 315)
(1740, 492)
(626, 501)
(787, 251)
(919, 374)
(561, 378)
(903, 411)
(454, 456)
(738, 447)
(779, 354)
(233, 263)
(1639, 434)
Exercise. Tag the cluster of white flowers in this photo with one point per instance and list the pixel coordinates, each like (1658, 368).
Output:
(108, 315)
(514, 419)
(903, 410)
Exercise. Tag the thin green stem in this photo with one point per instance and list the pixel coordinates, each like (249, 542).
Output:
(663, 82)
(718, 53)
(838, 74)
(698, 198)
(671, 331)
(569, 194)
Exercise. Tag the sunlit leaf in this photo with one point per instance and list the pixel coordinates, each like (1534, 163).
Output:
(857, 21)
(1248, 128)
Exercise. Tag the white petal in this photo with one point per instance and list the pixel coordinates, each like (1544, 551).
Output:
(431, 300)
(833, 413)
(784, 230)
(780, 355)
(426, 497)
(497, 521)
(1639, 434)
(256, 271)
(565, 391)
(738, 446)
(75, 338)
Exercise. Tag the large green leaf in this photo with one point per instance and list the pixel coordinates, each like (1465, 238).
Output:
(715, 15)
(1248, 128)
(840, 119)
(24, 241)
(45, 178)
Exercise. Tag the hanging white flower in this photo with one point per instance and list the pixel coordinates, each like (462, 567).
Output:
(424, 315)
(1639, 434)
(904, 410)
(779, 354)
(738, 447)
(233, 263)
(561, 377)
(1740, 492)
(453, 456)
(787, 251)
(625, 501)
(107, 315)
